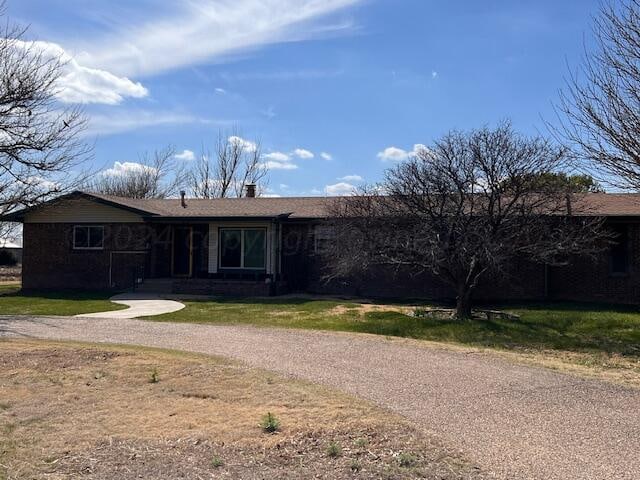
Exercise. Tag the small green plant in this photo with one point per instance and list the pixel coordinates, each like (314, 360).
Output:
(407, 460)
(355, 466)
(361, 442)
(154, 377)
(217, 462)
(334, 450)
(270, 423)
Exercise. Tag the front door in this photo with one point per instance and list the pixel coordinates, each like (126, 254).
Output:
(182, 252)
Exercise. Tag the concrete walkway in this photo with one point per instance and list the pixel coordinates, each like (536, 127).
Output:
(514, 421)
(140, 305)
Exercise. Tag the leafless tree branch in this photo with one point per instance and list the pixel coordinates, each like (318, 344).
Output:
(467, 206)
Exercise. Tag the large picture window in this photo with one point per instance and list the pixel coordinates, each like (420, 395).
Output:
(88, 237)
(243, 248)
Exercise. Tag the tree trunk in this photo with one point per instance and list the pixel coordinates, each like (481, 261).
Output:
(463, 303)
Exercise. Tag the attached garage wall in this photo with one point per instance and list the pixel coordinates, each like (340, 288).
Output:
(50, 262)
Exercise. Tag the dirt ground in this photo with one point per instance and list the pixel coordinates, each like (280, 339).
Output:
(70, 410)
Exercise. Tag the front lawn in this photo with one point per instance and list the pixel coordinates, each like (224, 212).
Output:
(561, 326)
(15, 302)
(102, 412)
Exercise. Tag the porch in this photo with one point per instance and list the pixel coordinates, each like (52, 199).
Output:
(237, 258)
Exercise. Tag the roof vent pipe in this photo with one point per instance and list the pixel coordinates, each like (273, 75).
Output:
(183, 202)
(251, 190)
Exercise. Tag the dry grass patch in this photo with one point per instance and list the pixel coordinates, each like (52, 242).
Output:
(69, 410)
(363, 308)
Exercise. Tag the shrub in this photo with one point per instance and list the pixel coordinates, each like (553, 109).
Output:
(361, 442)
(217, 462)
(407, 460)
(270, 423)
(7, 259)
(154, 377)
(355, 466)
(334, 450)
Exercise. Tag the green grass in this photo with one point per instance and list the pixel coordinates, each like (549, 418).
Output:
(561, 326)
(15, 302)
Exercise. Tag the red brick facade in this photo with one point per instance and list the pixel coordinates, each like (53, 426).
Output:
(51, 262)
(581, 280)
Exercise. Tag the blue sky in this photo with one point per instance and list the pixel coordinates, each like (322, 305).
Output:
(361, 81)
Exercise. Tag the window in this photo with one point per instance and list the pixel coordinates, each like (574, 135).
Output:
(619, 253)
(243, 248)
(88, 238)
(324, 238)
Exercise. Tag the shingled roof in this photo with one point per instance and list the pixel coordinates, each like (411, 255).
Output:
(592, 204)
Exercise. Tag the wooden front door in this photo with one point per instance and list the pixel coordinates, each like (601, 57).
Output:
(182, 252)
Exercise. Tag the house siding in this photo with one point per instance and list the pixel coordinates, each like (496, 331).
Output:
(80, 210)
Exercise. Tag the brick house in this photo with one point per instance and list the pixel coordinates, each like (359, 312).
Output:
(265, 246)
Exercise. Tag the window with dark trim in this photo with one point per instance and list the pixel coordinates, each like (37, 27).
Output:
(88, 237)
(244, 248)
(619, 252)
(324, 238)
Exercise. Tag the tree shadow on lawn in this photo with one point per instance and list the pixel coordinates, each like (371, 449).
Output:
(581, 327)
(562, 328)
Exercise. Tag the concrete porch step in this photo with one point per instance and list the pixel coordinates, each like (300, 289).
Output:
(156, 285)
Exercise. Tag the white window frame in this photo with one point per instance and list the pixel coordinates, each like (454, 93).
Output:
(75, 227)
(242, 230)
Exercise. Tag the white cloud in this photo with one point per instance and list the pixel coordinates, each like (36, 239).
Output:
(303, 154)
(186, 155)
(221, 91)
(434, 74)
(326, 156)
(127, 120)
(394, 154)
(278, 157)
(351, 178)
(197, 32)
(121, 169)
(81, 84)
(339, 189)
(273, 165)
(245, 144)
(42, 183)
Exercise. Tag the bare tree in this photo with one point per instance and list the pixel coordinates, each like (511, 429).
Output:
(235, 163)
(156, 175)
(39, 139)
(600, 107)
(465, 207)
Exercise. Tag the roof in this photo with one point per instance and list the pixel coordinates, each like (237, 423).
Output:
(227, 208)
(260, 207)
(591, 204)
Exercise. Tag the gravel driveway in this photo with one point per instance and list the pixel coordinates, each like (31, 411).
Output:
(512, 420)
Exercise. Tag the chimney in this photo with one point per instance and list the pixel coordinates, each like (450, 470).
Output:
(251, 190)
(183, 202)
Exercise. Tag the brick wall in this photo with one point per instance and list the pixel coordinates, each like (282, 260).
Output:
(50, 262)
(582, 280)
(593, 280)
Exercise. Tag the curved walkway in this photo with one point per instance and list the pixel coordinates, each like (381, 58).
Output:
(513, 421)
(140, 305)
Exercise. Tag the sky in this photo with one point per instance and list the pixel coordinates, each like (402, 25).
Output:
(336, 91)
